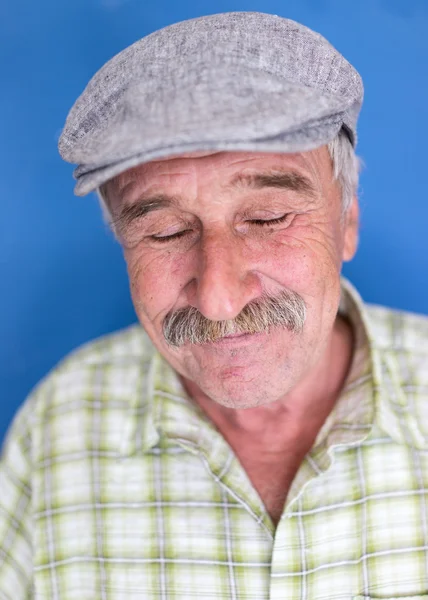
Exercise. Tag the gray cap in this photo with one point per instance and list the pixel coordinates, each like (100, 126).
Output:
(233, 81)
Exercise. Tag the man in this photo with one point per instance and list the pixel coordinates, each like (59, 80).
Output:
(264, 434)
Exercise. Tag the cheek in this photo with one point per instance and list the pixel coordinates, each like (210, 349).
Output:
(304, 260)
(308, 265)
(156, 279)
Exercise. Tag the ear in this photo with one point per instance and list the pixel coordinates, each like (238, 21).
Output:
(351, 224)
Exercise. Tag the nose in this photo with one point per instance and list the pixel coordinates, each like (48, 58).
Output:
(223, 284)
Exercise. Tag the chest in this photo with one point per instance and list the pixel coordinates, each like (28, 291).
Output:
(172, 527)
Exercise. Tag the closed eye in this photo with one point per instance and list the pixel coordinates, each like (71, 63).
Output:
(268, 222)
(162, 239)
(167, 238)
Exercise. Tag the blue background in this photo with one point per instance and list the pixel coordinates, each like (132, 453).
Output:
(63, 279)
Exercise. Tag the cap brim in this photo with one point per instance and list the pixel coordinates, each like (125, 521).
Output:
(245, 110)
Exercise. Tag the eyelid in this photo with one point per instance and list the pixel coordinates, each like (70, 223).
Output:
(272, 221)
(169, 228)
(170, 236)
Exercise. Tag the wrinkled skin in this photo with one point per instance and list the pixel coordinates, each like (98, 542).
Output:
(223, 257)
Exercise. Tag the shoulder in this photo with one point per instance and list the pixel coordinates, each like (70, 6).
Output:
(110, 372)
(398, 330)
(131, 344)
(400, 342)
(111, 362)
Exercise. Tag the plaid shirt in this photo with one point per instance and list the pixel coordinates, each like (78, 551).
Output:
(115, 486)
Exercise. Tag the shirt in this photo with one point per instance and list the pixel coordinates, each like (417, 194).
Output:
(114, 485)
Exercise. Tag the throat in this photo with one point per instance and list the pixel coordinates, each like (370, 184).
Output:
(272, 480)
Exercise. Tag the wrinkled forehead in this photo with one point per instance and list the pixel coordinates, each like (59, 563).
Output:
(216, 167)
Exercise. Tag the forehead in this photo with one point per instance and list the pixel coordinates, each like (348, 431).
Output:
(217, 168)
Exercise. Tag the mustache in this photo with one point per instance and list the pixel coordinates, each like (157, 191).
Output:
(188, 325)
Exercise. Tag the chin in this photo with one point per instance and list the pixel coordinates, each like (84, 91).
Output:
(244, 377)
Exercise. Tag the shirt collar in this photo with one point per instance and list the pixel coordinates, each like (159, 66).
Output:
(373, 399)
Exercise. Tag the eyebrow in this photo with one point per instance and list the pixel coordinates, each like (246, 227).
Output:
(142, 207)
(286, 180)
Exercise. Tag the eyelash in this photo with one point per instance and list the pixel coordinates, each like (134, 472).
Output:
(167, 238)
(258, 222)
(267, 222)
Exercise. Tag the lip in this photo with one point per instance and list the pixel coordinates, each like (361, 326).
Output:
(235, 339)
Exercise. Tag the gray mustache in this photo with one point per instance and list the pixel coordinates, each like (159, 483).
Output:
(288, 310)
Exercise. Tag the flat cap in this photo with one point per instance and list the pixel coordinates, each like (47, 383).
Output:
(233, 81)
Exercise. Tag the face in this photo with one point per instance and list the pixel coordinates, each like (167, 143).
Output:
(219, 232)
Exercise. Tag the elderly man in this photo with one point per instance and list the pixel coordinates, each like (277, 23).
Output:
(263, 434)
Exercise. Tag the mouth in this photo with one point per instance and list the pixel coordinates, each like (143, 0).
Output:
(235, 335)
(235, 338)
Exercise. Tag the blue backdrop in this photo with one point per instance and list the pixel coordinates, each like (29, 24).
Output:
(63, 280)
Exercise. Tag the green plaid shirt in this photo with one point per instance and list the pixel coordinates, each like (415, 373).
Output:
(115, 486)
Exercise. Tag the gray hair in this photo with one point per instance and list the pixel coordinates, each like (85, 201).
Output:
(287, 309)
(346, 167)
(346, 170)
